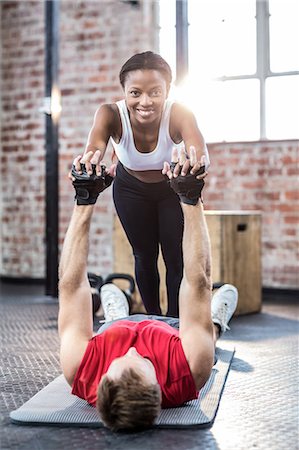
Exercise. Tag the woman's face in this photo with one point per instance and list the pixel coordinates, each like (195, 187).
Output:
(145, 93)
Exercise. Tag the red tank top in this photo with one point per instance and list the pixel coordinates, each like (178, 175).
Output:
(154, 340)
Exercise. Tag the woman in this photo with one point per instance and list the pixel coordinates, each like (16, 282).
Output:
(144, 128)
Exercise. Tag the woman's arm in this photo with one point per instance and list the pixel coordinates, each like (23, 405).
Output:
(183, 126)
(105, 124)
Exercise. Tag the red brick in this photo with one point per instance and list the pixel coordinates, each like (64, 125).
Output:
(291, 219)
(253, 184)
(22, 158)
(270, 245)
(251, 161)
(272, 196)
(290, 231)
(241, 172)
(274, 172)
(289, 159)
(292, 195)
(283, 207)
(213, 196)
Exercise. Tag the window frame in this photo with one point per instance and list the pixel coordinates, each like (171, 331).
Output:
(263, 70)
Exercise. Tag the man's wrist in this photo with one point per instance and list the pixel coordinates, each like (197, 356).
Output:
(190, 201)
(84, 209)
(83, 197)
(188, 207)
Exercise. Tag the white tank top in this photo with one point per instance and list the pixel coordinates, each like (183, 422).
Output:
(126, 151)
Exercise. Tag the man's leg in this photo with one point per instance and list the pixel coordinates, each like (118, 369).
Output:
(223, 306)
(224, 303)
(172, 321)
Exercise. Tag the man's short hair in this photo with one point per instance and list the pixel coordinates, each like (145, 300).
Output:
(128, 402)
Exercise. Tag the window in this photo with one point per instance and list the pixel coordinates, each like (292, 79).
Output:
(243, 82)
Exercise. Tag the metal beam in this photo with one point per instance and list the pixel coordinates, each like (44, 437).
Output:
(181, 40)
(52, 119)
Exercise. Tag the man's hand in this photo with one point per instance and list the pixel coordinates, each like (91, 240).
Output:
(186, 175)
(89, 178)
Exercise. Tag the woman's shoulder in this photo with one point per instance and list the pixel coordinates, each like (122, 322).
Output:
(107, 110)
(181, 114)
(179, 111)
(108, 114)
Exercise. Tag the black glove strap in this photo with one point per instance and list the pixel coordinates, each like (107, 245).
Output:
(88, 187)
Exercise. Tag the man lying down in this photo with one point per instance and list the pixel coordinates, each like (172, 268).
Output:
(133, 367)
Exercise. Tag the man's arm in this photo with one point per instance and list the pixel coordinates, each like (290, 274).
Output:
(75, 302)
(196, 328)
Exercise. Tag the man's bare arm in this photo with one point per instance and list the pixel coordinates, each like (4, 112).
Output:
(196, 328)
(75, 312)
(75, 302)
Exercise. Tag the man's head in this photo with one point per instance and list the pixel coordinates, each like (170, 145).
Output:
(129, 395)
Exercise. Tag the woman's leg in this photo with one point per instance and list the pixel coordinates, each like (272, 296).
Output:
(139, 220)
(171, 225)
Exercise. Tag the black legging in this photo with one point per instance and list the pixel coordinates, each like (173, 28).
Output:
(151, 214)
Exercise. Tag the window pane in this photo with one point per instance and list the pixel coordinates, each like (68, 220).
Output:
(167, 38)
(203, 99)
(240, 110)
(284, 35)
(282, 107)
(222, 37)
(225, 111)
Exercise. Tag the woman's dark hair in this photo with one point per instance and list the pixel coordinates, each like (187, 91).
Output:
(146, 61)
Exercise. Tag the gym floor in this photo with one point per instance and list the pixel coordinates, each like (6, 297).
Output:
(259, 406)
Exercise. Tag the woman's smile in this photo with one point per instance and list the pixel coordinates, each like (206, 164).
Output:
(145, 112)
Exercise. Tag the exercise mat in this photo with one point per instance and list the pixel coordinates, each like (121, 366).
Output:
(54, 405)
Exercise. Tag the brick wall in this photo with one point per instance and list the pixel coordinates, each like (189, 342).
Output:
(264, 177)
(22, 139)
(95, 39)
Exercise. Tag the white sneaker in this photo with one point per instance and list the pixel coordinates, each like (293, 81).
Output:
(114, 302)
(224, 304)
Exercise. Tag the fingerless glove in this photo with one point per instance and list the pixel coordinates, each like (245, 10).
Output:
(188, 187)
(88, 187)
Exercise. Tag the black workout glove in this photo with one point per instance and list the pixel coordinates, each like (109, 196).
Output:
(88, 187)
(187, 187)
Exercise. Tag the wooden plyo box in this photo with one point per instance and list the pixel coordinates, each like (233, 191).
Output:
(236, 254)
(236, 257)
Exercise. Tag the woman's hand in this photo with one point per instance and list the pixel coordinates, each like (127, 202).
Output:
(183, 164)
(89, 178)
(89, 159)
(186, 175)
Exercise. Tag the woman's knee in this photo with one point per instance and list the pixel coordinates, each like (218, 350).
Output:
(146, 260)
